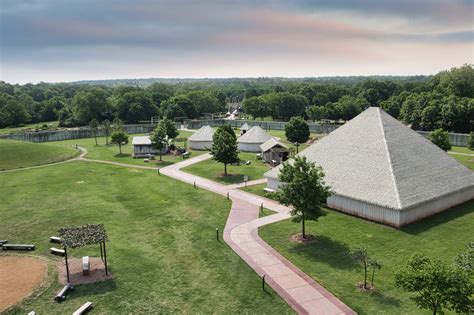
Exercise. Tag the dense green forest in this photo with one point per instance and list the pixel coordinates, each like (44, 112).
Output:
(445, 100)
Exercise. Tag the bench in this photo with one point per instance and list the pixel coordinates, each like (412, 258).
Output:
(61, 296)
(18, 247)
(57, 251)
(32, 313)
(3, 242)
(83, 309)
(85, 265)
(186, 155)
(55, 239)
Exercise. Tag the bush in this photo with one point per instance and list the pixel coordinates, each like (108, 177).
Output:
(470, 140)
(441, 139)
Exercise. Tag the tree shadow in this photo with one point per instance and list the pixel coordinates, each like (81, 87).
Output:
(439, 218)
(384, 299)
(122, 155)
(92, 289)
(326, 250)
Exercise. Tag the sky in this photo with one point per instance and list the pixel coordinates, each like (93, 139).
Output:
(62, 40)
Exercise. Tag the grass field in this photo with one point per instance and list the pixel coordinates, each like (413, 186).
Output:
(255, 189)
(462, 150)
(162, 250)
(111, 152)
(211, 169)
(18, 154)
(28, 126)
(464, 159)
(327, 261)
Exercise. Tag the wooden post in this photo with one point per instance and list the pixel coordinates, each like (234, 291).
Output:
(105, 258)
(227, 195)
(263, 282)
(217, 234)
(67, 265)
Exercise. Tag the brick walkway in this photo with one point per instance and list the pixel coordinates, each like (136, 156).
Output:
(241, 233)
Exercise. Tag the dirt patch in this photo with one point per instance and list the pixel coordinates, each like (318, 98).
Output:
(19, 277)
(225, 175)
(368, 287)
(96, 273)
(299, 239)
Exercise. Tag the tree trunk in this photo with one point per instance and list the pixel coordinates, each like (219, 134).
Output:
(160, 155)
(225, 168)
(373, 274)
(95, 137)
(120, 149)
(365, 276)
(303, 228)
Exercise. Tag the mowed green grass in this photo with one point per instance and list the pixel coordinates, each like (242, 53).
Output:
(162, 249)
(464, 159)
(111, 152)
(18, 154)
(327, 261)
(214, 170)
(53, 124)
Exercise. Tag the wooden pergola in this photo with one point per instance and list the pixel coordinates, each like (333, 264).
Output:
(85, 235)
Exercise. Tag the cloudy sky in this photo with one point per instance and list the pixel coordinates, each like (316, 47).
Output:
(61, 40)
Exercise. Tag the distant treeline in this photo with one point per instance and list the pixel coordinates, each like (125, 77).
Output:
(445, 100)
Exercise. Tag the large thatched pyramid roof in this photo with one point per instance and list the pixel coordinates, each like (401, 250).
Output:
(205, 133)
(255, 135)
(376, 159)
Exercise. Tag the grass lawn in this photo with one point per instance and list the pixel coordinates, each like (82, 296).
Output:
(17, 154)
(462, 150)
(53, 124)
(111, 152)
(327, 261)
(162, 249)
(464, 159)
(255, 189)
(211, 169)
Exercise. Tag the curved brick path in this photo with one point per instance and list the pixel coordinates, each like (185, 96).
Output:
(241, 233)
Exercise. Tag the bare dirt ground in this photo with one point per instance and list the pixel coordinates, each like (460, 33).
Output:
(96, 273)
(19, 276)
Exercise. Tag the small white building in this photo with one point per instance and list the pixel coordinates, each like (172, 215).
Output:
(142, 147)
(244, 128)
(201, 139)
(381, 170)
(274, 151)
(253, 139)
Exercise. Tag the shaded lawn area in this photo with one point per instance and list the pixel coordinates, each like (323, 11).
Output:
(162, 249)
(18, 154)
(461, 150)
(214, 170)
(111, 152)
(326, 259)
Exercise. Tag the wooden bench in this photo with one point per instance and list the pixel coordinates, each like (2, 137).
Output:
(61, 296)
(57, 251)
(186, 155)
(83, 309)
(18, 247)
(55, 239)
(85, 266)
(3, 242)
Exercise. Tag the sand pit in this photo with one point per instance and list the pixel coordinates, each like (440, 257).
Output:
(19, 276)
(96, 273)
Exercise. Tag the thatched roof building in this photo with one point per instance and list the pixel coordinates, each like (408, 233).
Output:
(201, 139)
(382, 170)
(253, 139)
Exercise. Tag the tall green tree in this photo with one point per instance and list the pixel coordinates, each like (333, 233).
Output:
(89, 104)
(135, 106)
(224, 146)
(107, 130)
(119, 138)
(170, 127)
(94, 125)
(436, 285)
(361, 256)
(159, 139)
(256, 106)
(297, 130)
(303, 189)
(441, 139)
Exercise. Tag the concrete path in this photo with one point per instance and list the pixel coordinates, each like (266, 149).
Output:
(459, 153)
(241, 233)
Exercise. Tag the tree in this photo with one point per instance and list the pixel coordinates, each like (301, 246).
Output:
(135, 106)
(90, 104)
(441, 139)
(465, 260)
(120, 138)
(94, 125)
(297, 130)
(470, 140)
(117, 124)
(361, 256)
(107, 129)
(375, 264)
(436, 285)
(159, 138)
(170, 128)
(224, 146)
(304, 189)
(255, 106)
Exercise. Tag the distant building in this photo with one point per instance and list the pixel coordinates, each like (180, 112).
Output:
(201, 139)
(244, 128)
(142, 147)
(253, 139)
(274, 152)
(381, 170)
